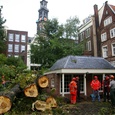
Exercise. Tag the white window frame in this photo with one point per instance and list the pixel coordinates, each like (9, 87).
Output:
(113, 49)
(10, 47)
(52, 82)
(112, 33)
(89, 45)
(108, 21)
(103, 37)
(11, 37)
(67, 80)
(16, 48)
(17, 37)
(87, 32)
(23, 38)
(105, 51)
(23, 48)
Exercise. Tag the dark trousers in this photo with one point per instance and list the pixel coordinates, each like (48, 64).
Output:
(106, 93)
(78, 95)
(112, 96)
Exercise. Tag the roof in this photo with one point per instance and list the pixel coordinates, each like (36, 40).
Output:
(81, 62)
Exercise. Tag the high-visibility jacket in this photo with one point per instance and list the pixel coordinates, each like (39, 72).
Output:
(95, 84)
(73, 87)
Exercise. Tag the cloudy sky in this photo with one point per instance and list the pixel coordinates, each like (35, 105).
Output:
(23, 14)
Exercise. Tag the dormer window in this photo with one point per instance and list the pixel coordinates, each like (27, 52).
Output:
(108, 21)
(106, 12)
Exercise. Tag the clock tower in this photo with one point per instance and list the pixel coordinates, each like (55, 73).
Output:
(43, 15)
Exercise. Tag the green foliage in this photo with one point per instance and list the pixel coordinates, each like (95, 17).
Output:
(17, 62)
(71, 27)
(3, 59)
(25, 79)
(2, 33)
(51, 45)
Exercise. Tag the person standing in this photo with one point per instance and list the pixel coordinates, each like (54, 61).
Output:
(106, 89)
(95, 85)
(73, 90)
(78, 89)
(112, 90)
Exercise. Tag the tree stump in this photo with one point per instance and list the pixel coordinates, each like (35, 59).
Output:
(6, 99)
(43, 81)
(31, 91)
(50, 100)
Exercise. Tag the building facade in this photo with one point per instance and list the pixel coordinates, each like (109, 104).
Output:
(17, 44)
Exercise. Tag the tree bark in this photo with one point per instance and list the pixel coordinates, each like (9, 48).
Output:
(6, 98)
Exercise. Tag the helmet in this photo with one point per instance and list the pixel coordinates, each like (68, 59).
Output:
(73, 79)
(107, 77)
(77, 77)
(95, 77)
(111, 77)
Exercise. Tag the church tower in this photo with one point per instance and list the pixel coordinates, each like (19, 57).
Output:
(43, 15)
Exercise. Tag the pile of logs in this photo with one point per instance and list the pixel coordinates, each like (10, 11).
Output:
(7, 98)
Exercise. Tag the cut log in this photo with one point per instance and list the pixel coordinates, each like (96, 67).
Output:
(7, 98)
(31, 91)
(43, 81)
(41, 106)
(50, 100)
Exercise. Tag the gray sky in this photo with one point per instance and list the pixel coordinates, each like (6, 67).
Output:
(23, 14)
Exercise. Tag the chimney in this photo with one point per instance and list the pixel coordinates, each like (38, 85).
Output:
(97, 28)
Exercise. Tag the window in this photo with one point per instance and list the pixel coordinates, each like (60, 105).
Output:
(23, 38)
(104, 51)
(16, 56)
(88, 45)
(67, 80)
(17, 37)
(103, 37)
(87, 33)
(16, 49)
(22, 48)
(52, 82)
(112, 33)
(10, 47)
(81, 36)
(113, 49)
(108, 21)
(11, 37)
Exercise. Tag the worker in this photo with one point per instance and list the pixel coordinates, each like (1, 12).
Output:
(95, 85)
(73, 90)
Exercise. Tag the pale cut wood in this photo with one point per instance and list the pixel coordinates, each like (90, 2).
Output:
(31, 91)
(50, 100)
(43, 81)
(7, 98)
(41, 106)
(5, 104)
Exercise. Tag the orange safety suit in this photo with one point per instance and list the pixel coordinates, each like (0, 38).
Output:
(95, 84)
(73, 91)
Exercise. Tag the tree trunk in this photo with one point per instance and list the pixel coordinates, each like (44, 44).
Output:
(50, 100)
(6, 98)
(43, 81)
(31, 91)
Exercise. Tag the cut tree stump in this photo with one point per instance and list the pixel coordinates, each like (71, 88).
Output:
(31, 91)
(7, 98)
(41, 106)
(50, 100)
(43, 81)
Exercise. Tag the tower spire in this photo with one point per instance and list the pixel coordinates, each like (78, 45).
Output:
(43, 15)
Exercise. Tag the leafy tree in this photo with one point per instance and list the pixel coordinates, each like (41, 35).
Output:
(51, 45)
(71, 27)
(2, 33)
